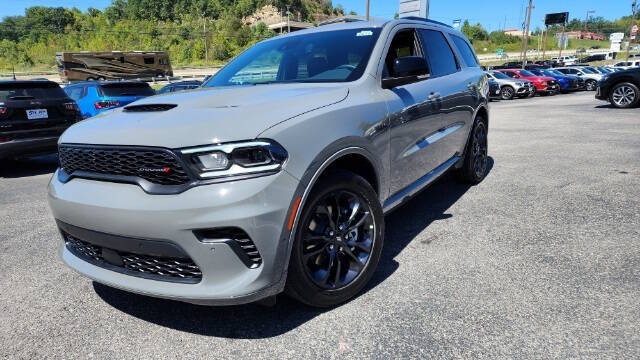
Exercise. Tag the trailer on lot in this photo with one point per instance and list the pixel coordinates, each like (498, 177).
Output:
(112, 65)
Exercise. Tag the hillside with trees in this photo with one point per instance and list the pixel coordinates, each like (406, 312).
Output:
(178, 26)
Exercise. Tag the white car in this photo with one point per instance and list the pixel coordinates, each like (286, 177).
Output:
(624, 65)
(567, 60)
(590, 77)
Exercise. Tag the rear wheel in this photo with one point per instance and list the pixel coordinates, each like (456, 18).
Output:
(507, 92)
(624, 95)
(476, 159)
(338, 241)
(591, 85)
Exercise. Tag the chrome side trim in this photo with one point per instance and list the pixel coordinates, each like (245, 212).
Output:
(413, 188)
(438, 135)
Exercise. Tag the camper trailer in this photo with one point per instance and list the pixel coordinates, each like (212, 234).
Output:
(112, 65)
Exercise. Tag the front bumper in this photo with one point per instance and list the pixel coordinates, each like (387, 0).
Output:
(29, 146)
(259, 206)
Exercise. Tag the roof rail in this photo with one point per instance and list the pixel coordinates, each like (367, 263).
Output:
(416, 18)
(343, 19)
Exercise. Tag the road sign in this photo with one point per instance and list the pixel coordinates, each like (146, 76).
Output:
(556, 18)
(419, 8)
(456, 23)
(616, 37)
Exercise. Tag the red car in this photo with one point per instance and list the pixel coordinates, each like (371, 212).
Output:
(544, 84)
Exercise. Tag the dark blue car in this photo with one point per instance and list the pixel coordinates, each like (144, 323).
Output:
(94, 97)
(567, 82)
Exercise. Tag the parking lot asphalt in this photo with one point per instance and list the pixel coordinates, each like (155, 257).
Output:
(541, 260)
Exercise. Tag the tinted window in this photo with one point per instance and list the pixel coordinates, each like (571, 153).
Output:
(465, 50)
(403, 44)
(526, 73)
(499, 75)
(327, 56)
(124, 89)
(74, 92)
(34, 90)
(149, 60)
(438, 52)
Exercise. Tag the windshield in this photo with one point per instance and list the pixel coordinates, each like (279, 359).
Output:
(605, 70)
(499, 75)
(328, 56)
(526, 73)
(549, 73)
(27, 91)
(557, 73)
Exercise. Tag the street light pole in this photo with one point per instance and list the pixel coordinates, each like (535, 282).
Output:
(525, 37)
(634, 9)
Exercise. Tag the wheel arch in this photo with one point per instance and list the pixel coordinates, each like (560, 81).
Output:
(338, 155)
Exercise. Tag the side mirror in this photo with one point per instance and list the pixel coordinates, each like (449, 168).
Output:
(407, 70)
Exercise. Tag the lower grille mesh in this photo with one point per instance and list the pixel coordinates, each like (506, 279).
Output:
(158, 268)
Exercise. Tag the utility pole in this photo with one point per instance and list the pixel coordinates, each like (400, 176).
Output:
(544, 41)
(206, 43)
(634, 9)
(586, 20)
(525, 37)
(288, 16)
(368, 6)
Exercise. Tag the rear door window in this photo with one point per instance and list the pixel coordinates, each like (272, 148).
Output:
(465, 50)
(126, 89)
(438, 52)
(33, 90)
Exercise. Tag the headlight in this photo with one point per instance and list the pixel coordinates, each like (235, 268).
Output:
(249, 158)
(519, 84)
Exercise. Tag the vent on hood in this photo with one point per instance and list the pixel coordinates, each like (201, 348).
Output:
(149, 107)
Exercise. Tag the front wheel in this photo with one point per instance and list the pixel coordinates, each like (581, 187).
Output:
(624, 95)
(338, 241)
(507, 92)
(591, 85)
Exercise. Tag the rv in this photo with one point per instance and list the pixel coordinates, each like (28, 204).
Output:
(112, 65)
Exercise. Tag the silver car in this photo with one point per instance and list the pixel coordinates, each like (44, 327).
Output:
(276, 175)
(510, 88)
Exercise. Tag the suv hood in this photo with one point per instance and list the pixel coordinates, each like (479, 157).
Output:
(205, 116)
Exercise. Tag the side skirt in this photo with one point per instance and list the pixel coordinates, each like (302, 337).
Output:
(415, 187)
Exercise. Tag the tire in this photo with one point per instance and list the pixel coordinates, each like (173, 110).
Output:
(102, 78)
(91, 79)
(624, 95)
(474, 168)
(590, 85)
(507, 92)
(317, 244)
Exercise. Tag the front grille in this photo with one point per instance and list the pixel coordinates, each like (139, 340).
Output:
(147, 266)
(157, 166)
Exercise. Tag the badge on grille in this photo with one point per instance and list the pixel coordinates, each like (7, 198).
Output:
(164, 170)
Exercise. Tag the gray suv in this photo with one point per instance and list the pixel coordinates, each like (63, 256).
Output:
(276, 175)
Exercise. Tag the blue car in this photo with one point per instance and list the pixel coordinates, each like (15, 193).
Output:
(567, 82)
(94, 97)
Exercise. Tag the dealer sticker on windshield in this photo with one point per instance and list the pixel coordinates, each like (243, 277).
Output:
(365, 33)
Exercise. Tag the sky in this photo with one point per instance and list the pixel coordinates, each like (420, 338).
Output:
(492, 14)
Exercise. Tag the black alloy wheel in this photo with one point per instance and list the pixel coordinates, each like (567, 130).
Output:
(338, 239)
(476, 160)
(591, 85)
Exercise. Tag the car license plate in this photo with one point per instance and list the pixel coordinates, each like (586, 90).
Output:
(37, 114)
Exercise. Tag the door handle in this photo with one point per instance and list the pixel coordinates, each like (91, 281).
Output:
(434, 96)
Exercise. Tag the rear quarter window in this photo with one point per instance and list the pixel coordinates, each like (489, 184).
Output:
(126, 90)
(465, 50)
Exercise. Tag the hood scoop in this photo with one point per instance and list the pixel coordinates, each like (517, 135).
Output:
(149, 107)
